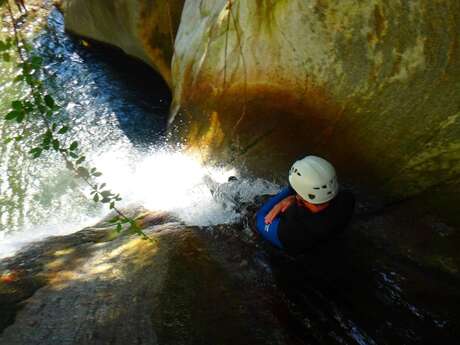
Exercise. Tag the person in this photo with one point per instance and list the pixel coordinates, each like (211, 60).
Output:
(310, 211)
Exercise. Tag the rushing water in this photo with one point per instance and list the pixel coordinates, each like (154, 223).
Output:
(117, 109)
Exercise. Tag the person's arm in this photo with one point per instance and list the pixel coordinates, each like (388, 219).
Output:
(280, 207)
(276, 204)
(285, 192)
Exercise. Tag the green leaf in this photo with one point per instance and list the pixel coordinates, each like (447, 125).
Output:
(119, 227)
(17, 105)
(73, 146)
(36, 61)
(36, 152)
(20, 117)
(80, 160)
(49, 101)
(37, 98)
(53, 127)
(8, 140)
(73, 155)
(28, 47)
(6, 57)
(112, 205)
(18, 138)
(103, 185)
(56, 144)
(12, 115)
(114, 219)
(47, 138)
(96, 197)
(63, 130)
(82, 172)
(19, 78)
(30, 80)
(106, 193)
(97, 174)
(28, 107)
(134, 227)
(105, 200)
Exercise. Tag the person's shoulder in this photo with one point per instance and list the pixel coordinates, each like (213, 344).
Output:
(294, 211)
(346, 195)
(345, 199)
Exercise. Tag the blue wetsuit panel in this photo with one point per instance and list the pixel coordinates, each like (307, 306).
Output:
(270, 231)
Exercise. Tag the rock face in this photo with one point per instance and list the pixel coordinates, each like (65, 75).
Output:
(371, 85)
(94, 287)
(144, 29)
(221, 285)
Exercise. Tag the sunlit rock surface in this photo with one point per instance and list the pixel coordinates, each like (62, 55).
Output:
(222, 285)
(144, 29)
(96, 287)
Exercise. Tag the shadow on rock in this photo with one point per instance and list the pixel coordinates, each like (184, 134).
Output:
(100, 287)
(221, 285)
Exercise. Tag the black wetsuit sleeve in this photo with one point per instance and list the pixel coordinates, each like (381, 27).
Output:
(294, 232)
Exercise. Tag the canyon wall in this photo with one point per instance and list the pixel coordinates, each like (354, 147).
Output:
(144, 29)
(373, 86)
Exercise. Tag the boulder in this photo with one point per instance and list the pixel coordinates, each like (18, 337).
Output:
(101, 287)
(373, 86)
(222, 285)
(144, 29)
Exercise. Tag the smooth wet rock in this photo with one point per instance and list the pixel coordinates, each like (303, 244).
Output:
(95, 288)
(143, 29)
(370, 85)
(222, 285)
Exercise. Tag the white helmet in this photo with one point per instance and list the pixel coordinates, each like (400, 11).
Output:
(314, 179)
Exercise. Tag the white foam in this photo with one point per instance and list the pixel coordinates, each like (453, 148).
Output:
(177, 182)
(161, 179)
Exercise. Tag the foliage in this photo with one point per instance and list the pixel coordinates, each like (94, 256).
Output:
(37, 105)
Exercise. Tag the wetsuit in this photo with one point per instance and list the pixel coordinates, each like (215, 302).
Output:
(298, 229)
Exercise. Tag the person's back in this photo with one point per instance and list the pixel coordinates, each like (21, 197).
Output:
(300, 229)
(310, 211)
